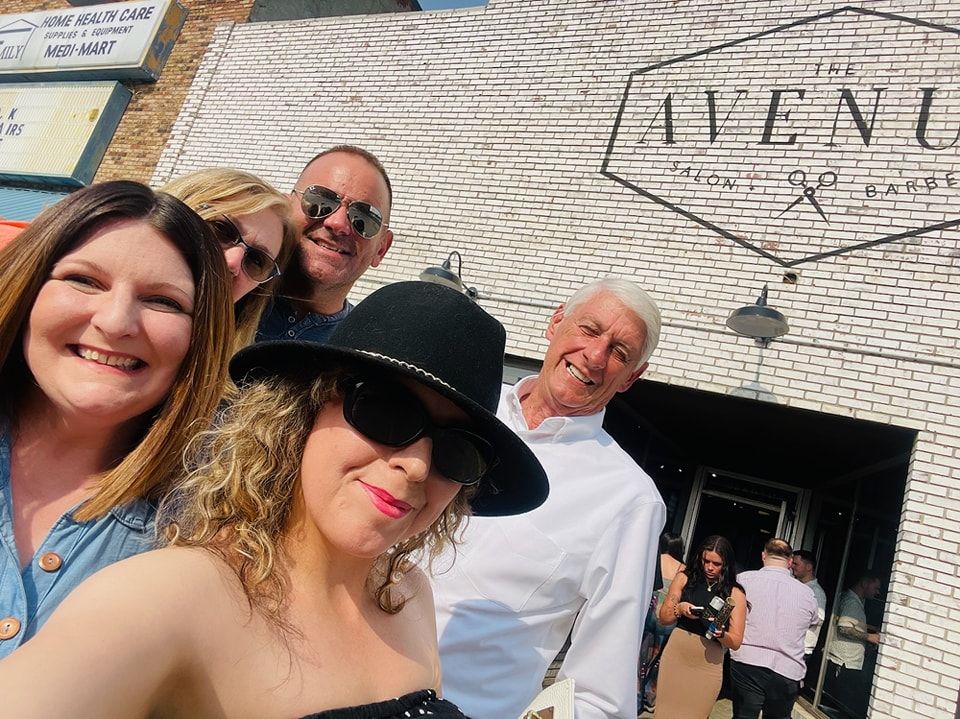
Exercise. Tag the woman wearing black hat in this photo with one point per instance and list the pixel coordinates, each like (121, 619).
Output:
(290, 585)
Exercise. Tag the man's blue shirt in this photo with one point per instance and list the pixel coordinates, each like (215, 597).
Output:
(280, 323)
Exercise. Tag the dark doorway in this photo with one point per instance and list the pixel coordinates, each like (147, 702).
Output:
(746, 525)
(750, 469)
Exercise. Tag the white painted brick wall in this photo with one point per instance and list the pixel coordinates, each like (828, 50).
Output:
(493, 123)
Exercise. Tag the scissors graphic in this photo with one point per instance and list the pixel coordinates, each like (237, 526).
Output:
(798, 178)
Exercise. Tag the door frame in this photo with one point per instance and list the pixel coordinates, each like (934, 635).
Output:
(790, 530)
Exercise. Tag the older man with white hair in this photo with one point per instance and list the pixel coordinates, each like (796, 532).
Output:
(580, 566)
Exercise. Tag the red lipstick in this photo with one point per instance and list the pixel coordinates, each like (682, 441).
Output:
(386, 502)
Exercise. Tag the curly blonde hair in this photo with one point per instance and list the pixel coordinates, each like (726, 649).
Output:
(237, 499)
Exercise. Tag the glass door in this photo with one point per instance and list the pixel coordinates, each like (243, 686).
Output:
(746, 511)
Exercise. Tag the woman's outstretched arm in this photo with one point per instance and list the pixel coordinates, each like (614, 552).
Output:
(114, 648)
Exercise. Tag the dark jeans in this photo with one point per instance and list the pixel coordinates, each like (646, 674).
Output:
(848, 688)
(759, 688)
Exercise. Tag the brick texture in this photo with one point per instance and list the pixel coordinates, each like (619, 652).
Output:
(145, 127)
(494, 122)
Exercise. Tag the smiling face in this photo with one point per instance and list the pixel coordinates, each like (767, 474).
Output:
(110, 327)
(332, 256)
(360, 497)
(263, 230)
(592, 355)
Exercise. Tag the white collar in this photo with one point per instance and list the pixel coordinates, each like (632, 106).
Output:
(564, 429)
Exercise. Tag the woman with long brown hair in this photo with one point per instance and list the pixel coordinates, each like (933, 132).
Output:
(691, 668)
(114, 337)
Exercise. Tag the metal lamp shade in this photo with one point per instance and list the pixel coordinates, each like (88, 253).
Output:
(442, 276)
(758, 321)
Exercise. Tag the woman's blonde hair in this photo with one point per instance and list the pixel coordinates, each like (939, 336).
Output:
(25, 265)
(219, 191)
(237, 499)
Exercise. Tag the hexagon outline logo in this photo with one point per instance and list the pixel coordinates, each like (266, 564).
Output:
(805, 187)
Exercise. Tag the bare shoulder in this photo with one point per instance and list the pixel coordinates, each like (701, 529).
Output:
(157, 570)
(416, 581)
(173, 581)
(418, 592)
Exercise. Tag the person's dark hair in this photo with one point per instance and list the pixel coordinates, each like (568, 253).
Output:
(728, 573)
(672, 544)
(807, 556)
(25, 265)
(776, 547)
(867, 575)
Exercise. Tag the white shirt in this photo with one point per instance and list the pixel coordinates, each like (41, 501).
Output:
(813, 633)
(848, 651)
(583, 560)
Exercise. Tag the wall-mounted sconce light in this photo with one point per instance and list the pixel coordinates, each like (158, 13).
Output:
(759, 321)
(444, 275)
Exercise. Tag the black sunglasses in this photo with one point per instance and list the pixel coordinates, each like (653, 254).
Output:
(318, 202)
(256, 264)
(391, 415)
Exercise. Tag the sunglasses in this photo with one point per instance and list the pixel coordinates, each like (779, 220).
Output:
(393, 416)
(318, 202)
(256, 264)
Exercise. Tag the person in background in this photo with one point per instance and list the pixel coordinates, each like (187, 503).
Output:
(290, 586)
(581, 566)
(669, 564)
(341, 209)
(255, 228)
(115, 333)
(767, 668)
(803, 566)
(846, 682)
(691, 668)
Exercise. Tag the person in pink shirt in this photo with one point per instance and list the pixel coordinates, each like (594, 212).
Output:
(767, 668)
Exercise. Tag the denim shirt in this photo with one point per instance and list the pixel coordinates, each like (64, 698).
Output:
(280, 323)
(70, 553)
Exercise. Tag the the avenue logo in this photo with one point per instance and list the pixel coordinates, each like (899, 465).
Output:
(813, 139)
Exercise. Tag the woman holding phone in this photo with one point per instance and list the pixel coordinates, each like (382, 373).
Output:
(289, 588)
(691, 668)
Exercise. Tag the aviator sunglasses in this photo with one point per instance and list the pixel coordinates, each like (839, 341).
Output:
(256, 264)
(318, 202)
(395, 417)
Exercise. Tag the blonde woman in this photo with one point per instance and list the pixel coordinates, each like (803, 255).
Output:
(252, 221)
(290, 589)
(114, 338)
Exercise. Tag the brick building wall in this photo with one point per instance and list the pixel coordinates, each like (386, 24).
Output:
(146, 124)
(494, 123)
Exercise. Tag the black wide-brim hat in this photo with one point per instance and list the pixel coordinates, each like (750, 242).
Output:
(441, 339)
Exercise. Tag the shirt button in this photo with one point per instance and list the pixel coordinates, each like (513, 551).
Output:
(291, 319)
(50, 562)
(291, 333)
(9, 627)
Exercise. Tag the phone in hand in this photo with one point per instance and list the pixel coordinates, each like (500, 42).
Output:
(696, 610)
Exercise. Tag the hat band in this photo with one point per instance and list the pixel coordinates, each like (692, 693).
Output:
(407, 365)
